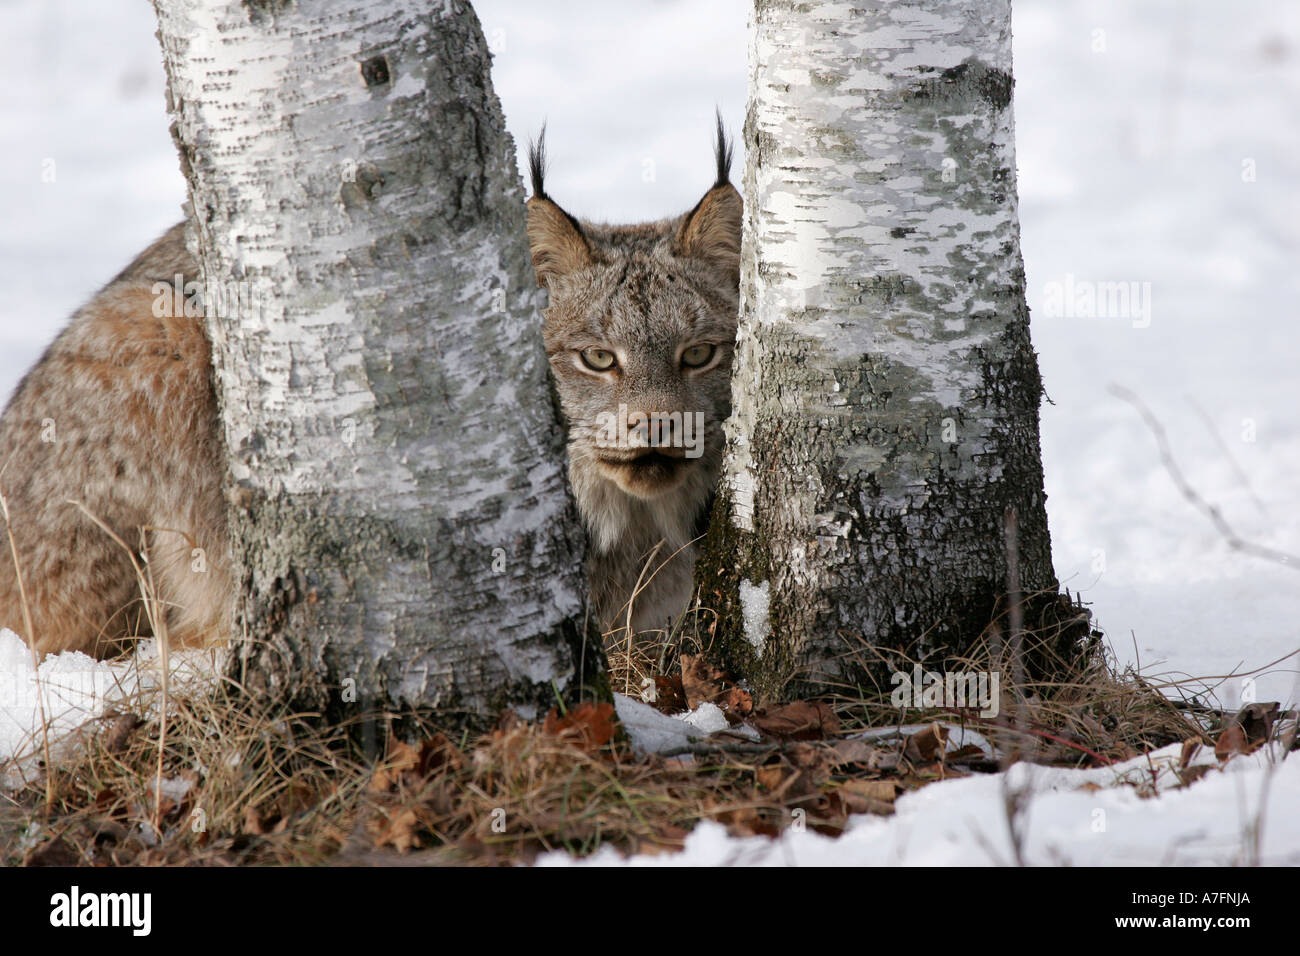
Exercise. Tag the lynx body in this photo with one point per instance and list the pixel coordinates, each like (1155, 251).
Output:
(111, 463)
(116, 428)
(639, 331)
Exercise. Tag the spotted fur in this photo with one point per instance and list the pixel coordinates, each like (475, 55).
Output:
(645, 293)
(119, 417)
(119, 420)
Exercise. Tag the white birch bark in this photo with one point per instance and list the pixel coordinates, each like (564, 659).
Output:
(400, 510)
(885, 393)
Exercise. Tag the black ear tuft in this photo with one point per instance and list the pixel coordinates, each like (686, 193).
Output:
(537, 164)
(558, 243)
(722, 152)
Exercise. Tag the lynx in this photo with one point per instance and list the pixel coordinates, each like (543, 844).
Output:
(111, 465)
(639, 330)
(115, 430)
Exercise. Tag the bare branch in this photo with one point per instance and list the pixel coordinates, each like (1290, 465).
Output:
(1235, 541)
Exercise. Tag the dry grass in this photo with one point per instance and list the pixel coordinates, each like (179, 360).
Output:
(245, 786)
(143, 790)
(1102, 712)
(1084, 710)
(229, 780)
(636, 660)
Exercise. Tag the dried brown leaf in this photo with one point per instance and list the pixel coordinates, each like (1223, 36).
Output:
(926, 745)
(738, 702)
(1256, 720)
(797, 720)
(670, 698)
(399, 832)
(701, 681)
(882, 790)
(1189, 775)
(772, 776)
(854, 751)
(1231, 741)
(589, 725)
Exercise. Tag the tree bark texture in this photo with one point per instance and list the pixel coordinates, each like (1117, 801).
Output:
(402, 527)
(885, 392)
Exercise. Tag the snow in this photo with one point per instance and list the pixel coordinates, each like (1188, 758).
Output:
(755, 604)
(1132, 814)
(651, 731)
(72, 689)
(958, 736)
(1131, 170)
(707, 718)
(1170, 157)
(963, 822)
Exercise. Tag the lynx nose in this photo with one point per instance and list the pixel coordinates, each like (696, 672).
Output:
(647, 429)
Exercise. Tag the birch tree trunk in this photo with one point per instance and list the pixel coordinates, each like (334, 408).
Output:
(885, 391)
(401, 524)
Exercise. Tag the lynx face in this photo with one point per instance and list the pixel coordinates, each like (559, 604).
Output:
(641, 351)
(639, 332)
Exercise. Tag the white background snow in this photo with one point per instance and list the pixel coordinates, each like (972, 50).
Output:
(1157, 143)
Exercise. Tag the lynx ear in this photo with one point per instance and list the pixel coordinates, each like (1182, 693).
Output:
(555, 238)
(712, 229)
(556, 241)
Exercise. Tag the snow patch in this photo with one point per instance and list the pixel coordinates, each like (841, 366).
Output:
(1069, 821)
(651, 731)
(71, 689)
(707, 718)
(755, 603)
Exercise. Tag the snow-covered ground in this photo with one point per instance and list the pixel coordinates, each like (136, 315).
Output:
(67, 692)
(1158, 145)
(1130, 814)
(1170, 156)
(1239, 815)
(1133, 813)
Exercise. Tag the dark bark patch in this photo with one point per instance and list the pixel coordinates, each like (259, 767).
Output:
(958, 82)
(361, 186)
(881, 290)
(261, 12)
(375, 71)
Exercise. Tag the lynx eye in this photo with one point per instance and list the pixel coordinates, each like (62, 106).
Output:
(698, 356)
(598, 360)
